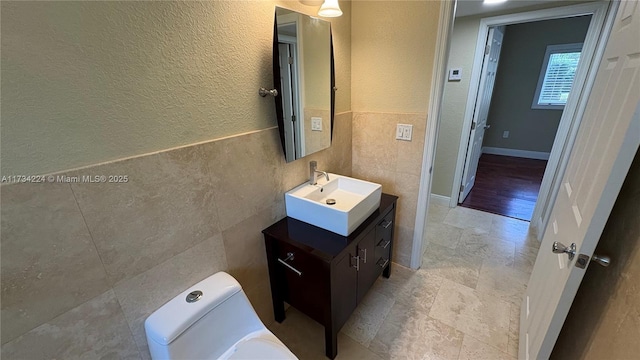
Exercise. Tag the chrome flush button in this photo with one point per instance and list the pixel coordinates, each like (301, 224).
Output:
(194, 296)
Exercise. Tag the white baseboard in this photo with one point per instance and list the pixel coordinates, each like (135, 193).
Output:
(440, 200)
(538, 155)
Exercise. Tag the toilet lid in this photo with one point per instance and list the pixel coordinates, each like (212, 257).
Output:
(261, 348)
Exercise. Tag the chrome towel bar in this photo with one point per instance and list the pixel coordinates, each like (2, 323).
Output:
(284, 262)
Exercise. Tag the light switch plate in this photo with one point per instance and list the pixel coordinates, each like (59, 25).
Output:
(316, 124)
(404, 132)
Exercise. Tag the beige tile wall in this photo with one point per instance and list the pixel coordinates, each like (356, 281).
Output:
(396, 164)
(83, 265)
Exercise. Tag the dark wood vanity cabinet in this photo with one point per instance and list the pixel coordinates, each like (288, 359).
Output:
(326, 275)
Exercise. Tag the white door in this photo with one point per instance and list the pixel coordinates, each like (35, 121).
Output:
(483, 101)
(607, 140)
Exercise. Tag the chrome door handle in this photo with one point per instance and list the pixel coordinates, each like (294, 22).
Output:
(486, 127)
(559, 248)
(601, 260)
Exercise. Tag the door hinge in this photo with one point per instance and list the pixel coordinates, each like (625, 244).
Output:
(293, 118)
(461, 187)
(473, 125)
(290, 60)
(487, 49)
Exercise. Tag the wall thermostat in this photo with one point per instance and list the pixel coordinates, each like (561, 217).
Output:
(455, 74)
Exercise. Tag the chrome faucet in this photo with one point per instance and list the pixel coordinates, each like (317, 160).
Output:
(313, 173)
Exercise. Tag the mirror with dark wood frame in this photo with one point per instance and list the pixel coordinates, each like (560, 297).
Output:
(303, 74)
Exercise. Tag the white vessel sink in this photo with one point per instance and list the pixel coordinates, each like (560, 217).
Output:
(355, 201)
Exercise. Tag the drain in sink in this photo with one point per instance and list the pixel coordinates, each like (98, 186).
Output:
(331, 201)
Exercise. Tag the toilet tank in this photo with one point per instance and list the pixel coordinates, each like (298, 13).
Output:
(205, 328)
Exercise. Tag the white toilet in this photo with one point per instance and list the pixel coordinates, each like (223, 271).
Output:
(211, 320)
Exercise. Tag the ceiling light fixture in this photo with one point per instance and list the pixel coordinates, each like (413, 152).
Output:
(330, 8)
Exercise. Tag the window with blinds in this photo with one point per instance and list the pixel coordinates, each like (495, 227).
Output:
(556, 76)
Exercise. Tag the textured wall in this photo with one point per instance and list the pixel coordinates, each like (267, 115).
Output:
(87, 82)
(521, 59)
(454, 103)
(316, 49)
(393, 45)
(316, 74)
(604, 320)
(392, 54)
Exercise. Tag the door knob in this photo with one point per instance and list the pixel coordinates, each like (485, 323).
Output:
(559, 248)
(601, 260)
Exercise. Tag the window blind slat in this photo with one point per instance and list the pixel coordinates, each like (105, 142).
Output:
(558, 79)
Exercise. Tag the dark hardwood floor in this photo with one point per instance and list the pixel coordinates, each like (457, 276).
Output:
(506, 186)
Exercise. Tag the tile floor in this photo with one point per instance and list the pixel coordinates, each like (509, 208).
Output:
(464, 303)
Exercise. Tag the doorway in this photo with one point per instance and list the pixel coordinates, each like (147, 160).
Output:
(597, 162)
(290, 79)
(518, 119)
(454, 149)
(568, 128)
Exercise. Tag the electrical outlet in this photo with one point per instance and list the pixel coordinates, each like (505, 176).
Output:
(505, 134)
(316, 124)
(404, 132)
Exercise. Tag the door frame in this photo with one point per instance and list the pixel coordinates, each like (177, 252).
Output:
(594, 45)
(438, 76)
(298, 76)
(285, 43)
(570, 120)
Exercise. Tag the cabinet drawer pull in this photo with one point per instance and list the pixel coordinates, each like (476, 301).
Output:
(386, 226)
(386, 261)
(364, 251)
(357, 260)
(284, 262)
(386, 245)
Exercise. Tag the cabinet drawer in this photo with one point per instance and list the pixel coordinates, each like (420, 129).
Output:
(383, 252)
(385, 226)
(384, 232)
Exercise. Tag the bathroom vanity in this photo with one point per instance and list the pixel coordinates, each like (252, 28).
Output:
(326, 275)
